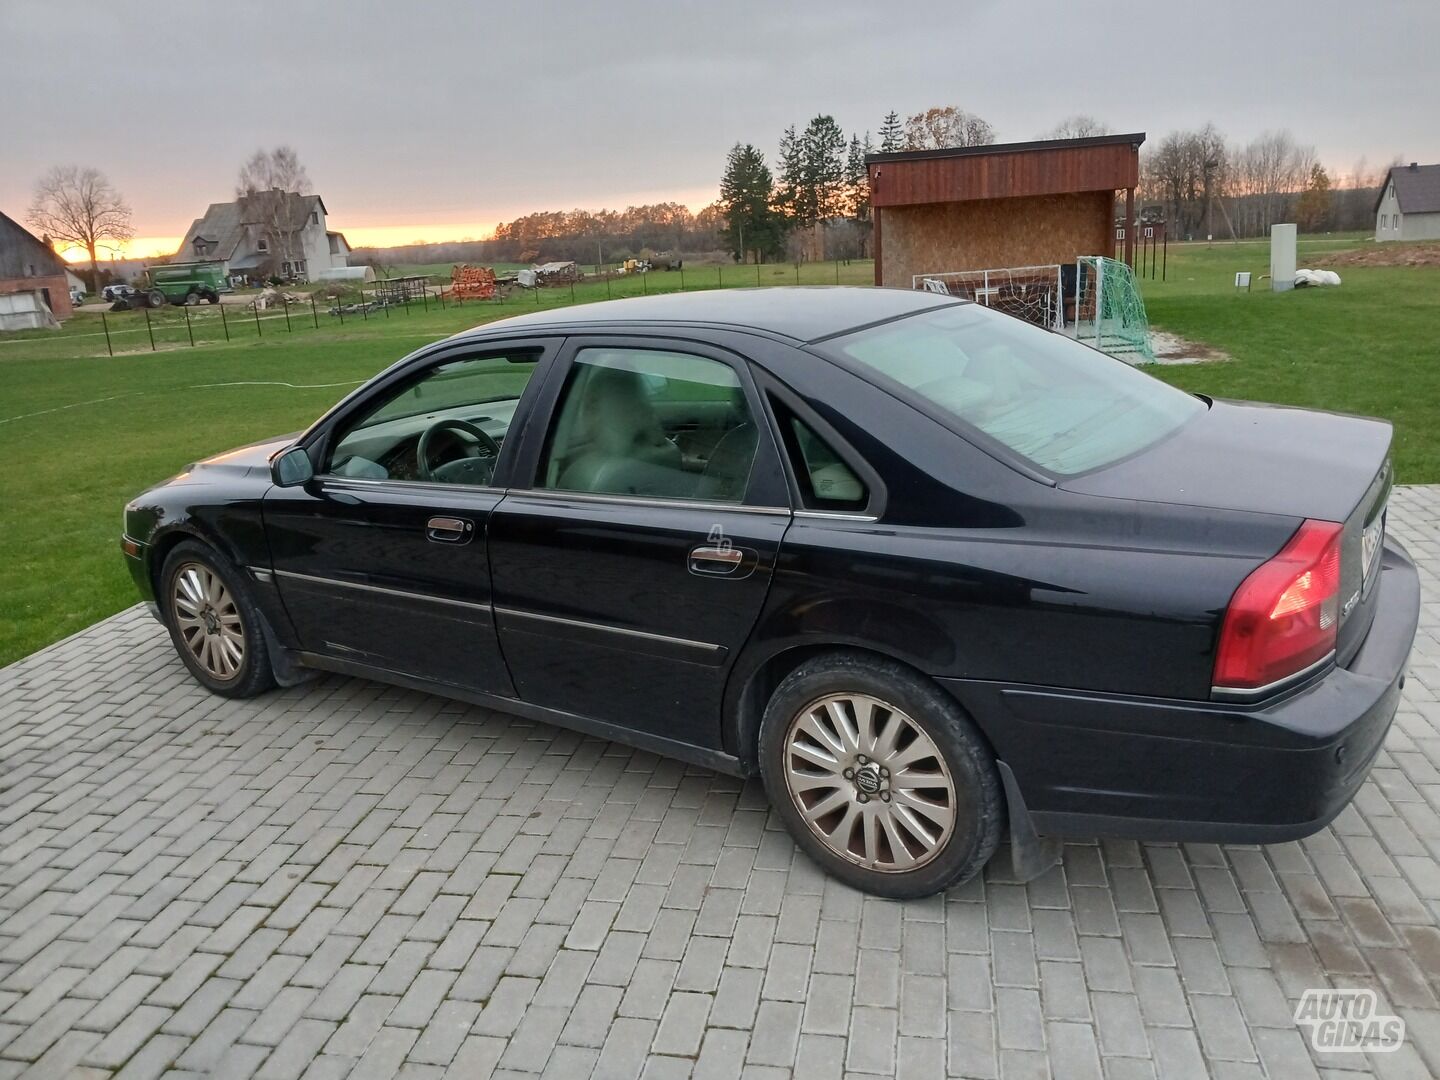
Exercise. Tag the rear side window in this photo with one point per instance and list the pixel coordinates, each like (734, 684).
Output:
(1062, 406)
(826, 480)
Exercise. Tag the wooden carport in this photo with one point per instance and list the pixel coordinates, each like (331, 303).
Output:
(1003, 205)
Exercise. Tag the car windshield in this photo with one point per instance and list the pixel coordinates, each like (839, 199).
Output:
(1062, 406)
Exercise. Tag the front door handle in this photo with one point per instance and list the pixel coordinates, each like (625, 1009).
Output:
(716, 559)
(449, 530)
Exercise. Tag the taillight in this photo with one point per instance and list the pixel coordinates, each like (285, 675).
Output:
(1284, 616)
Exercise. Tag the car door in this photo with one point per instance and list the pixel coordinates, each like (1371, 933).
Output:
(633, 553)
(381, 558)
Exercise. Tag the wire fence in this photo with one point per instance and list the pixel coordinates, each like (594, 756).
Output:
(435, 310)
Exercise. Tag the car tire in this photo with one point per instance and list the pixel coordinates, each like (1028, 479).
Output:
(213, 621)
(192, 299)
(879, 776)
(155, 298)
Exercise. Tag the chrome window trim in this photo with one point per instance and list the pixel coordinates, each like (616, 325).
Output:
(426, 485)
(405, 593)
(606, 628)
(835, 515)
(641, 500)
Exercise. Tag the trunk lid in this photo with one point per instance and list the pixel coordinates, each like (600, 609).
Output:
(1270, 459)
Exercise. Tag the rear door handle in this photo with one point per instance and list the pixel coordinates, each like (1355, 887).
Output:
(716, 559)
(449, 530)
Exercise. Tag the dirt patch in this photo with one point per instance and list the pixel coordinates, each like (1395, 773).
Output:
(1173, 349)
(1417, 253)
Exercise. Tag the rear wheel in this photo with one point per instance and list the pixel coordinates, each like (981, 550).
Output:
(213, 622)
(192, 299)
(879, 776)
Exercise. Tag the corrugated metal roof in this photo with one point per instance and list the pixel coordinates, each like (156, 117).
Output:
(1134, 138)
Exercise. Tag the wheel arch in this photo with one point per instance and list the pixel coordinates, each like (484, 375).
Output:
(757, 676)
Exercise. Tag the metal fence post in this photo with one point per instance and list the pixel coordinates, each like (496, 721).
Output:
(424, 297)
(837, 271)
(288, 328)
(149, 329)
(188, 328)
(607, 284)
(340, 308)
(682, 277)
(572, 290)
(224, 323)
(255, 305)
(645, 282)
(314, 314)
(721, 269)
(797, 273)
(757, 270)
(108, 347)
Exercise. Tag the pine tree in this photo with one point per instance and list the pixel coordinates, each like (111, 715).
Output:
(747, 191)
(857, 179)
(791, 164)
(892, 134)
(824, 171)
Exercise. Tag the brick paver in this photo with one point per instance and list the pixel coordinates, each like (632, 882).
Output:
(346, 879)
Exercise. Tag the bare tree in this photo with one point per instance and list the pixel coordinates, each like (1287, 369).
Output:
(942, 127)
(1078, 126)
(1187, 172)
(265, 185)
(80, 206)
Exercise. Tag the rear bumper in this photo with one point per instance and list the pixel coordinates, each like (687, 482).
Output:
(1148, 768)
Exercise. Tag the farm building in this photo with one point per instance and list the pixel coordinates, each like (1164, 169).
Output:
(29, 266)
(1409, 204)
(1003, 205)
(267, 233)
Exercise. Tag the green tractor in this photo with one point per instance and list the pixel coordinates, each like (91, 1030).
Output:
(186, 283)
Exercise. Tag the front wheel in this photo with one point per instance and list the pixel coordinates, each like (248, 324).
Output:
(213, 622)
(879, 776)
(155, 298)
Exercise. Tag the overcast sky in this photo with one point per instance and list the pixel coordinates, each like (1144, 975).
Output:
(438, 119)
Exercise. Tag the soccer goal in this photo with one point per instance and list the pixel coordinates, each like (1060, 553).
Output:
(1095, 300)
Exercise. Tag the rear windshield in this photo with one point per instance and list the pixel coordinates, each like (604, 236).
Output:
(1062, 406)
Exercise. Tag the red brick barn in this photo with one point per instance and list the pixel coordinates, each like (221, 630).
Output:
(29, 266)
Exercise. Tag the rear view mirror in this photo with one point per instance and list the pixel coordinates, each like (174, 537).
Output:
(292, 467)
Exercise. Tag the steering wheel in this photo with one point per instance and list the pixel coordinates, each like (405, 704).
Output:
(486, 450)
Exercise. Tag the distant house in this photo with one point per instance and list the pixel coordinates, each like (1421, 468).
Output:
(33, 288)
(268, 233)
(1409, 204)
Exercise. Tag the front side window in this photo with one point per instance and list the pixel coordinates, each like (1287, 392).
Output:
(651, 423)
(1062, 406)
(445, 426)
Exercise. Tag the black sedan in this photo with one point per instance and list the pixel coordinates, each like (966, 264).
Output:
(931, 572)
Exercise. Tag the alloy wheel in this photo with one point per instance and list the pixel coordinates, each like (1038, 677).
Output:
(869, 782)
(209, 621)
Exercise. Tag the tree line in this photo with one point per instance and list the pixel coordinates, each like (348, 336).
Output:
(1203, 184)
(813, 204)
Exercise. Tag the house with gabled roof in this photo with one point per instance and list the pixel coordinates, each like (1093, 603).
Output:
(266, 233)
(1409, 204)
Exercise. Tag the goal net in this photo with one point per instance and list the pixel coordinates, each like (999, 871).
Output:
(1095, 300)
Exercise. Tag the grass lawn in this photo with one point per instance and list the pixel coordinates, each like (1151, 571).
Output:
(1369, 346)
(81, 433)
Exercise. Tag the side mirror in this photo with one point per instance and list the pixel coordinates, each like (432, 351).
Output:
(292, 467)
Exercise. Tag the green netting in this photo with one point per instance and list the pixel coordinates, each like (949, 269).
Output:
(1111, 311)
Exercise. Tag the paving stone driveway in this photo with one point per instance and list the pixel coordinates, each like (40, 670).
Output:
(350, 880)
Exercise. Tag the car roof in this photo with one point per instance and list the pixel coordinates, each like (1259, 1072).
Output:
(800, 313)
